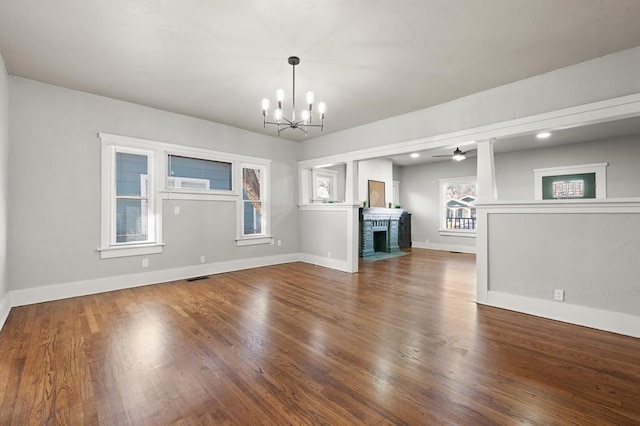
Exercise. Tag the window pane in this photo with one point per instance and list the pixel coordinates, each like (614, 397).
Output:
(252, 218)
(196, 173)
(250, 184)
(323, 187)
(131, 220)
(569, 186)
(461, 211)
(131, 174)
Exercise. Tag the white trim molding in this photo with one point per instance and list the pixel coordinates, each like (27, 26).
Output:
(5, 308)
(82, 288)
(615, 322)
(582, 115)
(444, 247)
(101, 285)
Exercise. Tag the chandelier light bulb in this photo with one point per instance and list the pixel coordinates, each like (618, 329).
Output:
(304, 121)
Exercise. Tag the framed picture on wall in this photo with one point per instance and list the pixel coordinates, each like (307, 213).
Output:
(376, 194)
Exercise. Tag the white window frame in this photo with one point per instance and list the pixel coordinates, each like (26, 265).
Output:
(265, 197)
(471, 233)
(333, 185)
(600, 169)
(109, 248)
(159, 190)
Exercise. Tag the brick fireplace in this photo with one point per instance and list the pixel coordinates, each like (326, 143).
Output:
(379, 230)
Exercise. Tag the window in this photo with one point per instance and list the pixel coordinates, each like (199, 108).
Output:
(252, 200)
(200, 174)
(571, 182)
(324, 185)
(137, 175)
(254, 209)
(132, 198)
(457, 206)
(129, 201)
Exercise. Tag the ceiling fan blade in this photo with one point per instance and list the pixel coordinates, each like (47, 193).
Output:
(443, 156)
(471, 150)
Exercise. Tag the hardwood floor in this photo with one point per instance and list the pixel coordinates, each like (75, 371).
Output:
(401, 342)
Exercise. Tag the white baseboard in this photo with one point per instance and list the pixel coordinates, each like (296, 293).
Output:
(5, 308)
(444, 247)
(340, 265)
(101, 285)
(615, 322)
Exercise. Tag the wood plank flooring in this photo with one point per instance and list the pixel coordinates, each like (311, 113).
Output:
(401, 342)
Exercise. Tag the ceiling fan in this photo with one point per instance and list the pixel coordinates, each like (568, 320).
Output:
(457, 154)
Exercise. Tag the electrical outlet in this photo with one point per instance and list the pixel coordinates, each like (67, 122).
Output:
(559, 295)
(145, 263)
(329, 254)
(279, 243)
(176, 210)
(202, 259)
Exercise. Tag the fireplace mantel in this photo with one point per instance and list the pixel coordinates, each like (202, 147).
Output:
(374, 213)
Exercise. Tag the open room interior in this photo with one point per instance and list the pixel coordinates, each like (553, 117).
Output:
(446, 231)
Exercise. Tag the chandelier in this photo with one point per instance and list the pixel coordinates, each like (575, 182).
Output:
(305, 120)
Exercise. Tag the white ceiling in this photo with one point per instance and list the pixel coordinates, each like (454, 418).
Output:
(599, 131)
(368, 60)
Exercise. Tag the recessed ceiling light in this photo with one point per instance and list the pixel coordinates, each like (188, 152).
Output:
(415, 155)
(543, 135)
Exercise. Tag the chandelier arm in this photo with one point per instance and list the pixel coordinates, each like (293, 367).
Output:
(280, 123)
(284, 123)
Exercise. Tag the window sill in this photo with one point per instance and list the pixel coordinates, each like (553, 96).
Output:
(467, 233)
(130, 250)
(253, 241)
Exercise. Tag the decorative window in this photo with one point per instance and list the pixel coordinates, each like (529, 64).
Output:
(324, 185)
(571, 182)
(457, 206)
(188, 173)
(254, 209)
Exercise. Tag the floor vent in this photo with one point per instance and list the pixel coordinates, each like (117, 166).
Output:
(204, 277)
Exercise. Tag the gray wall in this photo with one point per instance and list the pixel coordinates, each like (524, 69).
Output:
(4, 176)
(379, 169)
(514, 171)
(55, 187)
(592, 257)
(322, 232)
(596, 80)
(419, 189)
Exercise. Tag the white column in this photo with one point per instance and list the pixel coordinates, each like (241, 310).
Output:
(353, 230)
(351, 183)
(487, 191)
(486, 171)
(304, 186)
